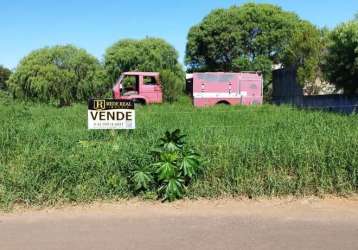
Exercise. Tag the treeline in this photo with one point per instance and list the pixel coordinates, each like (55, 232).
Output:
(260, 37)
(67, 74)
(250, 37)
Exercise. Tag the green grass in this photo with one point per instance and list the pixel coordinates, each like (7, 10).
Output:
(47, 155)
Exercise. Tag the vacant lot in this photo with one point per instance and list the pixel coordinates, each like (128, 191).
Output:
(47, 155)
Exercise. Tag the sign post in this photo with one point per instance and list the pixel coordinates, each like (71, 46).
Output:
(111, 114)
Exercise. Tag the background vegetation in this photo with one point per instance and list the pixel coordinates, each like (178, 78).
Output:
(60, 73)
(149, 54)
(249, 37)
(254, 37)
(340, 64)
(48, 156)
(173, 84)
(4, 76)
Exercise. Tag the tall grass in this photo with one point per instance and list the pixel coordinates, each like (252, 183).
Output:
(47, 155)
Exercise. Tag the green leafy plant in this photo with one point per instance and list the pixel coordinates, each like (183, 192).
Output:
(142, 179)
(172, 141)
(190, 164)
(172, 189)
(174, 167)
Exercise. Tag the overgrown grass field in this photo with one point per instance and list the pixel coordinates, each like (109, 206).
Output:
(47, 155)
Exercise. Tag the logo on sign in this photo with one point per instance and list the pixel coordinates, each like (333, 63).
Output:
(111, 114)
(99, 104)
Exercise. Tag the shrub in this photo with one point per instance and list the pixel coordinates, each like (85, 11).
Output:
(341, 61)
(4, 76)
(61, 73)
(172, 85)
(149, 54)
(304, 52)
(174, 167)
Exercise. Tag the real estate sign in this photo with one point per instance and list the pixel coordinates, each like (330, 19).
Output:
(111, 114)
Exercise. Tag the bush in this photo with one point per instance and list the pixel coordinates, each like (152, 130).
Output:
(172, 85)
(149, 54)
(4, 76)
(174, 168)
(341, 61)
(59, 73)
(304, 52)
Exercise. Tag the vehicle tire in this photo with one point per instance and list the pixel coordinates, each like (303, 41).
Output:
(222, 103)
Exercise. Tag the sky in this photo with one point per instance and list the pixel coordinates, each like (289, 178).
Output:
(95, 25)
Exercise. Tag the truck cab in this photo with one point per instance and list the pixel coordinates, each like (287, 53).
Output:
(141, 87)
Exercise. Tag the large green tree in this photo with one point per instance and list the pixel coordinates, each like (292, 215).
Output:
(341, 60)
(59, 73)
(304, 51)
(149, 54)
(4, 76)
(251, 37)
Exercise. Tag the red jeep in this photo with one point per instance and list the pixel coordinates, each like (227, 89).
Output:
(141, 87)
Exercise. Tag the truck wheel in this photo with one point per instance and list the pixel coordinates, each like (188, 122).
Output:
(223, 103)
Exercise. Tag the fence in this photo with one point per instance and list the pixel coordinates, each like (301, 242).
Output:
(286, 90)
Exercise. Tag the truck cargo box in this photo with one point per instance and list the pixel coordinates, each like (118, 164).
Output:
(213, 88)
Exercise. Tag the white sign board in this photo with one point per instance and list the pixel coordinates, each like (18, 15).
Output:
(111, 114)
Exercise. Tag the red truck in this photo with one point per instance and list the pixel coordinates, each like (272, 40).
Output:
(207, 89)
(141, 87)
(211, 88)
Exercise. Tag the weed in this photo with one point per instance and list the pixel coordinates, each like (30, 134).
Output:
(174, 167)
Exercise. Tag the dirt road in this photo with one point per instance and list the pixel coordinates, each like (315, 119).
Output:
(220, 224)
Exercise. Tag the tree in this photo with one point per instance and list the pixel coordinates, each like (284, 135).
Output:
(340, 64)
(4, 76)
(172, 84)
(260, 63)
(304, 51)
(149, 54)
(249, 37)
(63, 73)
